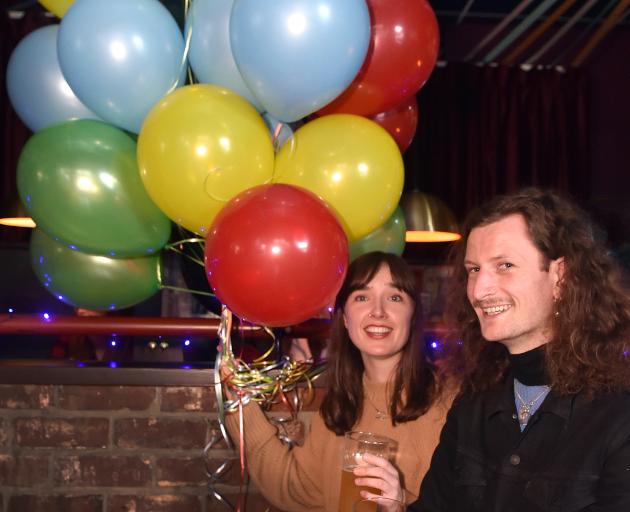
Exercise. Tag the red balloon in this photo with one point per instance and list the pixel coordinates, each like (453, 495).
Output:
(276, 255)
(402, 54)
(401, 122)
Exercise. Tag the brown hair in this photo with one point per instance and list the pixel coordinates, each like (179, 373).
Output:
(591, 327)
(415, 385)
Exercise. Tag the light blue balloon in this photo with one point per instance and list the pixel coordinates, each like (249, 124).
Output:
(210, 54)
(298, 55)
(121, 56)
(37, 89)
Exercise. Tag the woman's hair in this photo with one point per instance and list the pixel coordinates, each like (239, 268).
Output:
(415, 385)
(592, 316)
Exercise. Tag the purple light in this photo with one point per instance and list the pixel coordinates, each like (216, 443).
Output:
(113, 343)
(46, 316)
(434, 344)
(60, 297)
(11, 310)
(113, 364)
(186, 343)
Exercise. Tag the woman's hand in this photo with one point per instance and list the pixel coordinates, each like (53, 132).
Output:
(226, 374)
(374, 471)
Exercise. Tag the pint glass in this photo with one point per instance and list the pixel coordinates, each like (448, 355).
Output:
(356, 444)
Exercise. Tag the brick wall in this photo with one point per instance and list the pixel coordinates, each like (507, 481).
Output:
(112, 449)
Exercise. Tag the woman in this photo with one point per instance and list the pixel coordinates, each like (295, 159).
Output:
(379, 380)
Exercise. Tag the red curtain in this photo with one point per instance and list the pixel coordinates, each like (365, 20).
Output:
(487, 130)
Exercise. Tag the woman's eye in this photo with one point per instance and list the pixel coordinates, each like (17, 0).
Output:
(472, 270)
(397, 298)
(360, 298)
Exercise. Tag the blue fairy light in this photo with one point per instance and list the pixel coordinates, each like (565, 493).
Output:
(187, 343)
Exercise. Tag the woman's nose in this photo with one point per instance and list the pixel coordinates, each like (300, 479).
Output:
(378, 311)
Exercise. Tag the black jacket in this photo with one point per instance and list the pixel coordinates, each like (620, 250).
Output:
(574, 455)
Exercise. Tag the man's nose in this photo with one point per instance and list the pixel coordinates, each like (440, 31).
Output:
(483, 285)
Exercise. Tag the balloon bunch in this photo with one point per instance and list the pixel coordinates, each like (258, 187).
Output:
(284, 157)
(287, 151)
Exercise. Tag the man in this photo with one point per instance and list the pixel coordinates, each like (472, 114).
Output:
(543, 419)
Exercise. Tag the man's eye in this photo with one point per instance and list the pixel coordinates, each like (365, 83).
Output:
(506, 265)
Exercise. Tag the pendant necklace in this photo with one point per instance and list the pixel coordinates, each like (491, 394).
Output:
(380, 415)
(524, 410)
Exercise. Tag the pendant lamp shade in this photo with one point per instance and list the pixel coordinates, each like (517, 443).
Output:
(428, 219)
(13, 213)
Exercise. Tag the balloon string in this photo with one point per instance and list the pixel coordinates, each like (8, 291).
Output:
(173, 247)
(270, 349)
(241, 430)
(186, 255)
(184, 62)
(276, 134)
(265, 381)
(187, 290)
(195, 240)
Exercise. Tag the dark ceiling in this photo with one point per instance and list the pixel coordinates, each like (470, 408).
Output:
(493, 9)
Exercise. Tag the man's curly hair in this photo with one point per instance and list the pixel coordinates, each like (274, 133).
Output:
(591, 329)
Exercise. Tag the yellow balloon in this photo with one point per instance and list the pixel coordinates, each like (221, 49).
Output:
(198, 147)
(351, 163)
(57, 7)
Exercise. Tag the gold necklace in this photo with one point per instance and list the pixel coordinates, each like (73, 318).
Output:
(524, 411)
(380, 415)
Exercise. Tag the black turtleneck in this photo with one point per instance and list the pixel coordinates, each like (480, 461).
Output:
(529, 367)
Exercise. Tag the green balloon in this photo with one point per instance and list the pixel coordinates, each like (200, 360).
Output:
(91, 281)
(390, 237)
(80, 182)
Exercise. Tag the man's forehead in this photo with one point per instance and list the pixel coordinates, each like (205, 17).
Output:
(504, 237)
